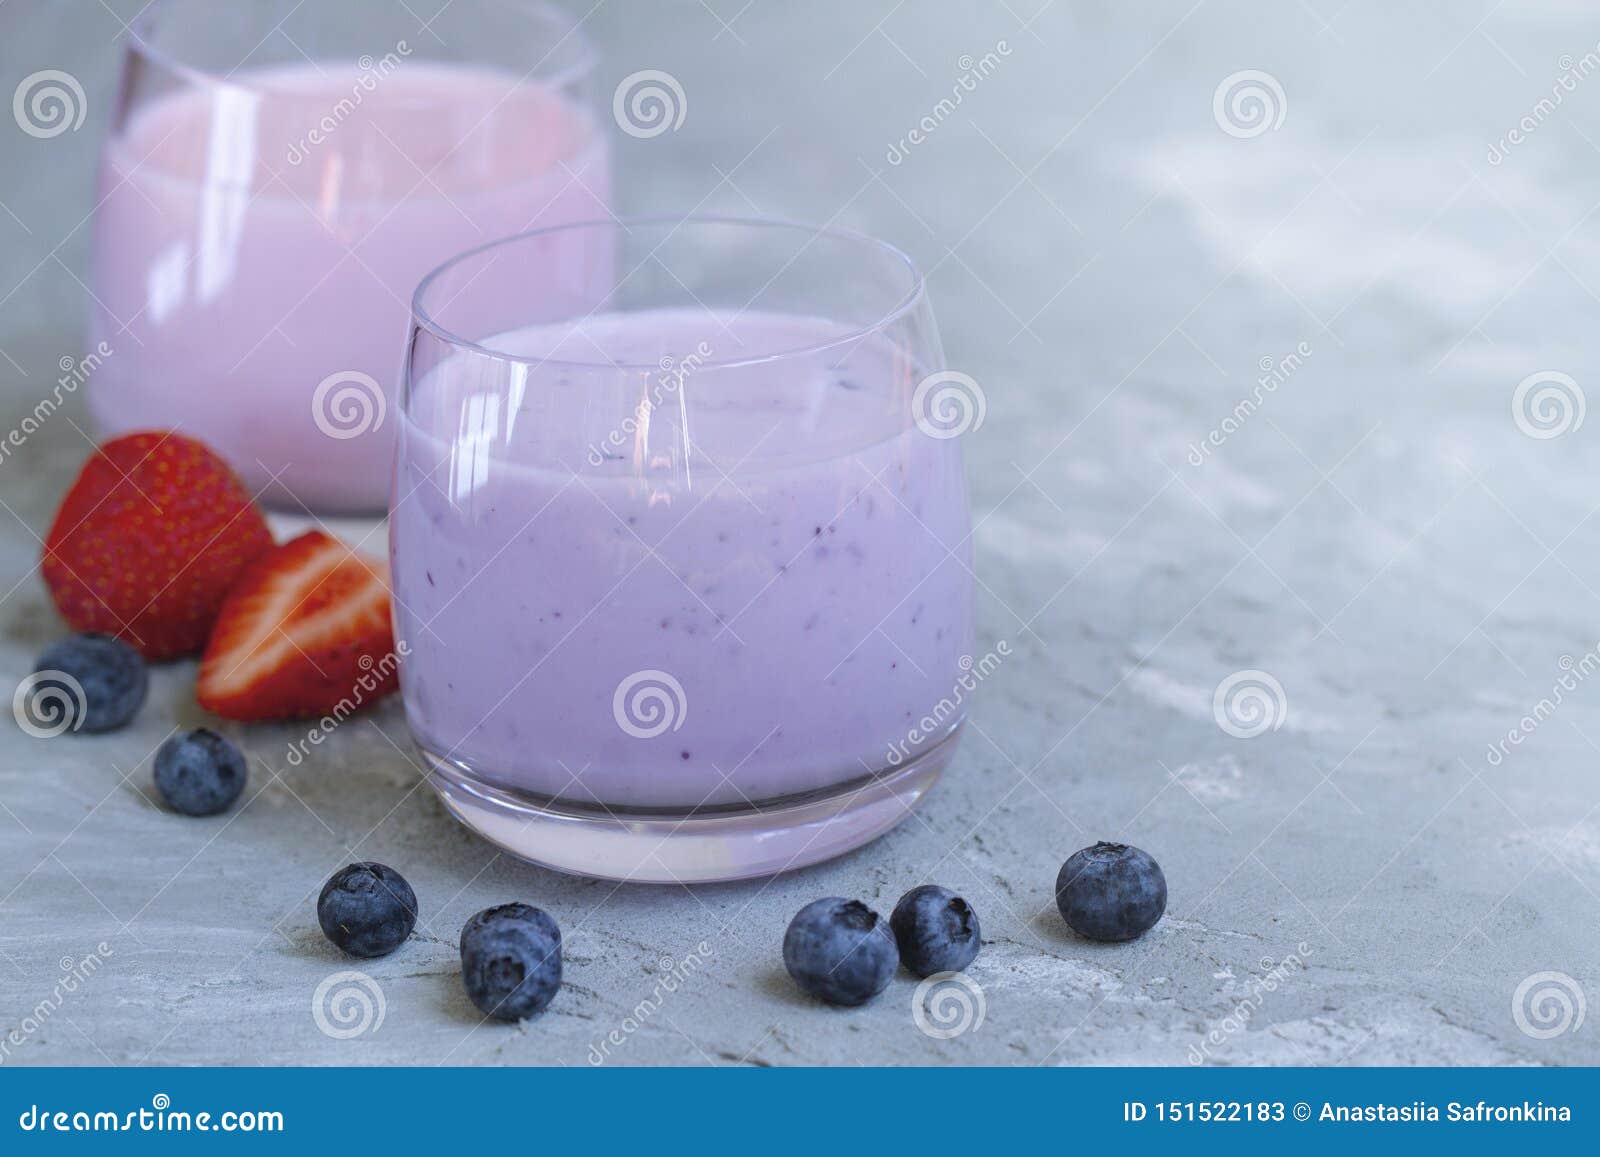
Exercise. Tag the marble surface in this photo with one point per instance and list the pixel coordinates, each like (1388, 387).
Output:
(1368, 881)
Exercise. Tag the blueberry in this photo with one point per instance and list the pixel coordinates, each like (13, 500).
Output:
(199, 773)
(840, 951)
(1111, 892)
(89, 683)
(511, 961)
(367, 909)
(937, 930)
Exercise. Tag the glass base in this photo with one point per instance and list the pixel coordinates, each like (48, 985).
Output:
(657, 846)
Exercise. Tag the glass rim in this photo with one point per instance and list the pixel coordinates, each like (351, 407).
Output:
(423, 320)
(142, 31)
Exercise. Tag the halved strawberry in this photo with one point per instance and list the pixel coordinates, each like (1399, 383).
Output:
(304, 632)
(148, 540)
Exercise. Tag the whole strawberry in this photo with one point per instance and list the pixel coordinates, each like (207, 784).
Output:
(148, 540)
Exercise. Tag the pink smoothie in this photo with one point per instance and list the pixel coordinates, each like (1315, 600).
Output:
(255, 239)
(753, 586)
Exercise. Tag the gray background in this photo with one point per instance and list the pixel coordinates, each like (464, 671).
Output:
(1381, 537)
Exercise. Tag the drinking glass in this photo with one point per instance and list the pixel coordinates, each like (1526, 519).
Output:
(277, 179)
(679, 548)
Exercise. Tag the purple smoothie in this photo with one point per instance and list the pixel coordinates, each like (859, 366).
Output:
(682, 576)
(238, 267)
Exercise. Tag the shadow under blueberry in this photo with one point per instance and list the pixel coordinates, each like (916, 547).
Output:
(780, 986)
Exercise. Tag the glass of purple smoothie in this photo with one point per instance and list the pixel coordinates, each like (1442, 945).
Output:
(277, 179)
(681, 570)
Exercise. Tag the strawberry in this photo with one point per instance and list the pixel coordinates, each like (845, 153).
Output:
(148, 540)
(304, 632)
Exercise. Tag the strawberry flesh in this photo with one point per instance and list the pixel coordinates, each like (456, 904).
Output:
(304, 633)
